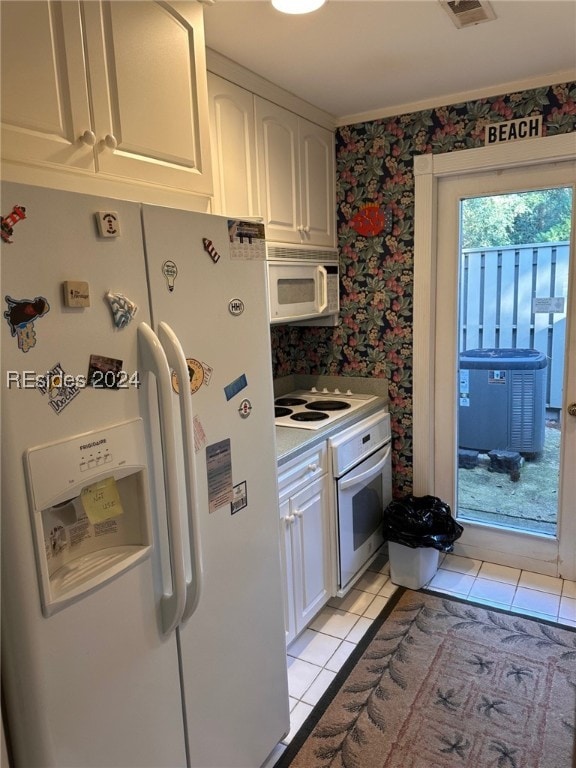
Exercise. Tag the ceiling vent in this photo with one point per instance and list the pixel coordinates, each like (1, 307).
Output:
(467, 13)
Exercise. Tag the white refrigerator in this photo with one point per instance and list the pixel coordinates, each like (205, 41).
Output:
(142, 620)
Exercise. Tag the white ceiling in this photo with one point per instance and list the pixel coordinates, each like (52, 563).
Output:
(358, 59)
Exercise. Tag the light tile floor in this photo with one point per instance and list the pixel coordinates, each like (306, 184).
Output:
(319, 652)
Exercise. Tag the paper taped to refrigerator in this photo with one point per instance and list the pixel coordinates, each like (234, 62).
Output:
(247, 239)
(101, 501)
(219, 472)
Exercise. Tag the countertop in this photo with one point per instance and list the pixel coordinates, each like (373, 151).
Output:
(290, 441)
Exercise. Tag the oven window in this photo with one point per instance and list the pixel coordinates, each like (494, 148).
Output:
(366, 512)
(296, 291)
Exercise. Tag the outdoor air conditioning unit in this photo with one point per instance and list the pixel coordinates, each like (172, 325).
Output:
(502, 401)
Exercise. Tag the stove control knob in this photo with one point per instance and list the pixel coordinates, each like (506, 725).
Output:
(325, 391)
(348, 392)
(313, 389)
(336, 391)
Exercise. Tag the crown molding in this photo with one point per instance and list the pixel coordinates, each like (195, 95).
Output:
(564, 76)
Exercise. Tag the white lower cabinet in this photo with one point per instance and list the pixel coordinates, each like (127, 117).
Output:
(305, 538)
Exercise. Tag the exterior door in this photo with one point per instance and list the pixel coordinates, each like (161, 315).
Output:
(492, 538)
(439, 191)
(514, 274)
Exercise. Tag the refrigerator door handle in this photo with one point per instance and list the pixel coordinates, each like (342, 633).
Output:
(177, 360)
(153, 359)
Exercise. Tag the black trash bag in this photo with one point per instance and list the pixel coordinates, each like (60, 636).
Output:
(421, 521)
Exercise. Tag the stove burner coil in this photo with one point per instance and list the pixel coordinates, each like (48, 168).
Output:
(289, 401)
(309, 416)
(328, 405)
(279, 412)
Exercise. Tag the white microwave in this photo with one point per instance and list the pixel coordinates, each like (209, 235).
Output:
(303, 285)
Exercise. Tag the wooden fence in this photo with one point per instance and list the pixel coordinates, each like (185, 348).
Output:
(498, 310)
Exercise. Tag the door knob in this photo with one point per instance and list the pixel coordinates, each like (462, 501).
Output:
(110, 141)
(572, 409)
(89, 138)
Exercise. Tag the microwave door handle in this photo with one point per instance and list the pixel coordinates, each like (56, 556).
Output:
(343, 485)
(324, 289)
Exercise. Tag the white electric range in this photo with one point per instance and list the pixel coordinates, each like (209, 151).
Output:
(314, 409)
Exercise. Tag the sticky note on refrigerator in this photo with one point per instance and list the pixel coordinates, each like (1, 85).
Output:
(101, 500)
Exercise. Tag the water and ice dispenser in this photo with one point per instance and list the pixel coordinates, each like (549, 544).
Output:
(90, 510)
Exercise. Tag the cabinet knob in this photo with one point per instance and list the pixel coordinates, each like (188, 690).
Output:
(572, 409)
(298, 513)
(111, 141)
(89, 138)
(312, 467)
(289, 519)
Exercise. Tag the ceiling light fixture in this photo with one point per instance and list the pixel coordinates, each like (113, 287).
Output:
(297, 6)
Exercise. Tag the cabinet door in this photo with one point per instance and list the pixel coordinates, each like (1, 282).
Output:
(318, 188)
(233, 140)
(311, 529)
(278, 171)
(45, 107)
(287, 563)
(149, 94)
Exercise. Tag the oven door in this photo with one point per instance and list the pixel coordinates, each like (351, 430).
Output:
(362, 495)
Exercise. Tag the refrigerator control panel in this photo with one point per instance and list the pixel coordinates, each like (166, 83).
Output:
(90, 510)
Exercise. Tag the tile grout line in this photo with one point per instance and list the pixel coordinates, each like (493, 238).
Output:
(464, 594)
(299, 708)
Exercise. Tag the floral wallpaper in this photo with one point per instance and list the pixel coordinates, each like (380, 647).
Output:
(374, 163)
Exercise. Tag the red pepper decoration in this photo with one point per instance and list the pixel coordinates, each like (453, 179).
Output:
(372, 220)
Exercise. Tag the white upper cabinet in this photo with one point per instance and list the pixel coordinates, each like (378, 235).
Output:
(296, 175)
(233, 140)
(317, 184)
(149, 93)
(115, 88)
(45, 105)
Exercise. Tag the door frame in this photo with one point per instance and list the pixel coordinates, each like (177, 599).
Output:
(429, 169)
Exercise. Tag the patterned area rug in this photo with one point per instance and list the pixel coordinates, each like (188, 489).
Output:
(441, 683)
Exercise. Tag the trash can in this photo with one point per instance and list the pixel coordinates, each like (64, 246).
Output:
(417, 529)
(412, 568)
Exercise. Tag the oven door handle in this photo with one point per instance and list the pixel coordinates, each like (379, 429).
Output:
(343, 485)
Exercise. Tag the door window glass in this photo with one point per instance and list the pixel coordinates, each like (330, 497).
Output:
(514, 261)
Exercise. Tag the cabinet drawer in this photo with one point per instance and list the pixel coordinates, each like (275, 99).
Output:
(302, 469)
